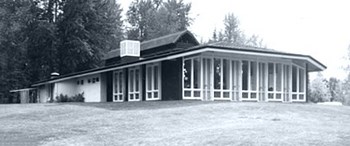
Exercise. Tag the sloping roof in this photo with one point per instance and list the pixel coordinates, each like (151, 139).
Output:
(154, 43)
(164, 40)
(180, 52)
(243, 47)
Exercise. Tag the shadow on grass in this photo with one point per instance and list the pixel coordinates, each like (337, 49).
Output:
(142, 105)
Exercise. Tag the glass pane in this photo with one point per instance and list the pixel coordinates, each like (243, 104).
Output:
(217, 73)
(155, 94)
(116, 97)
(270, 76)
(301, 80)
(196, 73)
(131, 96)
(187, 74)
(226, 94)
(197, 94)
(233, 75)
(217, 94)
(137, 78)
(294, 79)
(286, 78)
(261, 76)
(301, 97)
(155, 77)
(245, 75)
(187, 93)
(149, 95)
(121, 97)
(149, 78)
(131, 79)
(270, 95)
(137, 96)
(278, 77)
(116, 83)
(278, 96)
(244, 95)
(294, 96)
(253, 95)
(120, 82)
(226, 74)
(253, 76)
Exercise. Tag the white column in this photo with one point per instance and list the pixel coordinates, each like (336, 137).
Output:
(239, 80)
(290, 83)
(266, 81)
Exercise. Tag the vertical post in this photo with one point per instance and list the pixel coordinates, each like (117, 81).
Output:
(201, 61)
(211, 74)
(230, 78)
(249, 79)
(257, 81)
(290, 83)
(306, 87)
(266, 81)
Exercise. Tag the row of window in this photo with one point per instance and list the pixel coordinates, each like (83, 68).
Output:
(263, 80)
(91, 80)
(135, 82)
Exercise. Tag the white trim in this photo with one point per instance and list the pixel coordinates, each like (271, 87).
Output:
(265, 54)
(153, 90)
(134, 92)
(118, 72)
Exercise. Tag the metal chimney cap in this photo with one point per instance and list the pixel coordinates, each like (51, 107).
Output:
(55, 74)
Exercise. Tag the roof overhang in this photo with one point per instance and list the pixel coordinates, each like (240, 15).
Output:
(315, 65)
(21, 90)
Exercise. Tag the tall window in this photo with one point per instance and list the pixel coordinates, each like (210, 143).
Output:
(118, 89)
(298, 83)
(192, 78)
(134, 84)
(152, 82)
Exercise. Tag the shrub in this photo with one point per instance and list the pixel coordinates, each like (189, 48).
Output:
(62, 98)
(78, 98)
(65, 98)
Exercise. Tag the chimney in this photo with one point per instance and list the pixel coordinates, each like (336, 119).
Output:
(54, 75)
(129, 50)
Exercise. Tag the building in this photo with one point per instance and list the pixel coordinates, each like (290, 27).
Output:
(177, 67)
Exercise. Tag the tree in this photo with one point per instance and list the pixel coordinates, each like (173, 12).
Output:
(319, 91)
(233, 34)
(14, 17)
(334, 86)
(151, 19)
(87, 30)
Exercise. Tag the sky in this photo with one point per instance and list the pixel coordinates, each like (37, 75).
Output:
(320, 28)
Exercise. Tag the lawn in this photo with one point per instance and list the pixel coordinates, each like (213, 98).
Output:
(174, 123)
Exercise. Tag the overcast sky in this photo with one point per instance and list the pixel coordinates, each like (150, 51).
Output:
(320, 28)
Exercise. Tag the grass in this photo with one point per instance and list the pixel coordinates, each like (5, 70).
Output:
(174, 123)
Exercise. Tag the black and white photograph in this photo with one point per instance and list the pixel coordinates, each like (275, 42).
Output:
(174, 72)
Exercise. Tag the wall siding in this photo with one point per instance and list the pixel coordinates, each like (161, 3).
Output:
(171, 79)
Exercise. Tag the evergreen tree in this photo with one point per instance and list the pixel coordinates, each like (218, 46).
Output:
(151, 19)
(87, 30)
(14, 17)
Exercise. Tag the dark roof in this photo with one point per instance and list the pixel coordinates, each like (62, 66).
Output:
(164, 40)
(243, 47)
(154, 43)
(166, 53)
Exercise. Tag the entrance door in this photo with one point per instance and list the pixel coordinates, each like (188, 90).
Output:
(207, 79)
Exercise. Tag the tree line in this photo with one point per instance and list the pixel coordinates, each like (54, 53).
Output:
(38, 37)
(324, 90)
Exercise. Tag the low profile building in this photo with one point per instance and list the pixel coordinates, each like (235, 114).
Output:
(177, 67)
